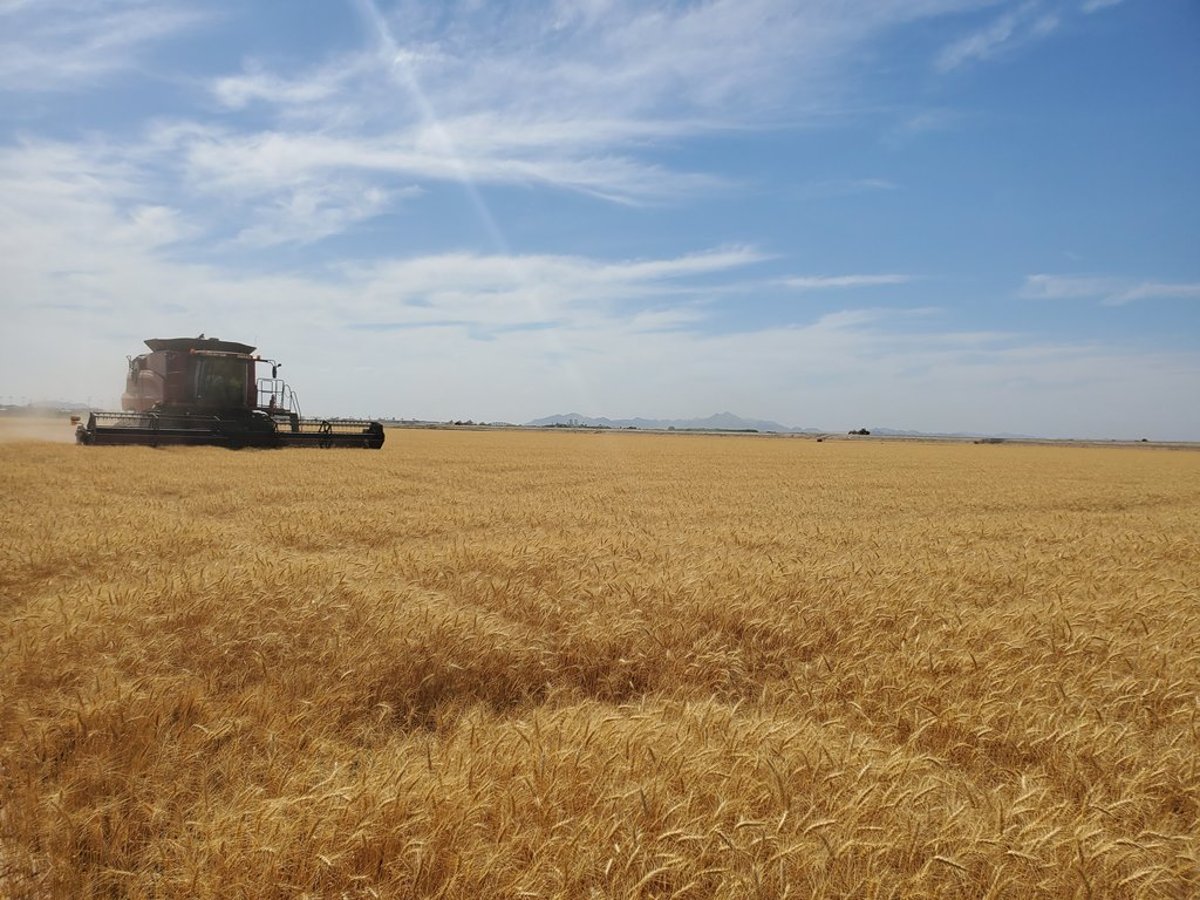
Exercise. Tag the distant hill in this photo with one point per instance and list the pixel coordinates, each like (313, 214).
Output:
(894, 432)
(727, 421)
(43, 407)
(724, 421)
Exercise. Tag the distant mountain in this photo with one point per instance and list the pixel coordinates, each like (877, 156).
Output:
(724, 421)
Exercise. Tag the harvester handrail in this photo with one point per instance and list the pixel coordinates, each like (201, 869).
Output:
(278, 392)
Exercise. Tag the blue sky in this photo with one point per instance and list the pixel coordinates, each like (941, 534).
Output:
(931, 214)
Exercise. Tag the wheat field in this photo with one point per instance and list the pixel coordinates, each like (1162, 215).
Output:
(546, 664)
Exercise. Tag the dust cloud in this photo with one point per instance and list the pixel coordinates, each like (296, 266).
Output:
(54, 429)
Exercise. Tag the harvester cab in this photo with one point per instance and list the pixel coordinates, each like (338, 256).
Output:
(205, 391)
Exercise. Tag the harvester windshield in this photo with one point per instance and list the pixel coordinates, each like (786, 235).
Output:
(221, 381)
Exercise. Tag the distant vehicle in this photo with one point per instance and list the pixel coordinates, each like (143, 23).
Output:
(205, 391)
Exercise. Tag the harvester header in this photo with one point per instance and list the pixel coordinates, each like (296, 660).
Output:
(206, 391)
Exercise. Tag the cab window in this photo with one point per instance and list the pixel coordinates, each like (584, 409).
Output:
(221, 382)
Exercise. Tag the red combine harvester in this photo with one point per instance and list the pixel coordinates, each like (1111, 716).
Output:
(204, 391)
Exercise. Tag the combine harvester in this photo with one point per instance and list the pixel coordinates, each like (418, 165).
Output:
(204, 391)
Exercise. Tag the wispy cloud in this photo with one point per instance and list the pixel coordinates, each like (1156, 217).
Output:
(828, 282)
(75, 44)
(260, 164)
(1022, 25)
(575, 97)
(1108, 290)
(579, 98)
(846, 187)
(508, 290)
(257, 85)
(307, 213)
(1092, 6)
(78, 233)
(923, 122)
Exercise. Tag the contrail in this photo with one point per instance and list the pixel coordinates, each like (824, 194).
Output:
(398, 64)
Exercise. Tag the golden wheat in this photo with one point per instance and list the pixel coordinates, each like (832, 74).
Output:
(569, 665)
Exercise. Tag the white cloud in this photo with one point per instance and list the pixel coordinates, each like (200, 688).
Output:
(1019, 26)
(914, 125)
(508, 290)
(310, 212)
(257, 85)
(78, 236)
(1108, 290)
(1065, 287)
(824, 282)
(873, 184)
(576, 97)
(1155, 290)
(1092, 6)
(75, 44)
(261, 164)
(845, 187)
